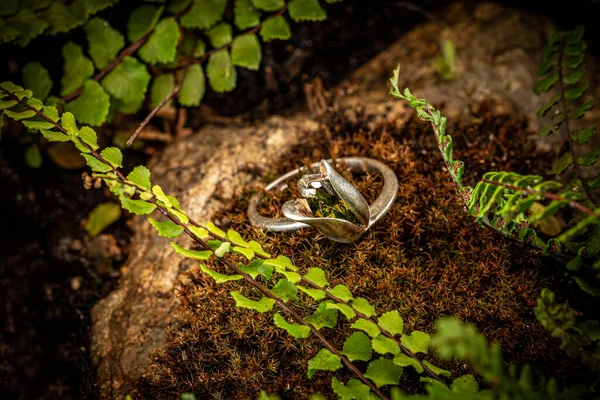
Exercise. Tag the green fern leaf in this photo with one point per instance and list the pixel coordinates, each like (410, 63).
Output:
(582, 136)
(545, 84)
(256, 268)
(344, 309)
(257, 248)
(316, 294)
(317, 276)
(33, 158)
(581, 110)
(587, 287)
(193, 87)
(37, 78)
(436, 370)
(237, 239)
(294, 329)
(285, 290)
(281, 263)
(306, 10)
(576, 92)
(465, 384)
(19, 115)
(142, 20)
(342, 293)
(101, 217)
(104, 41)
(574, 76)
(263, 305)
(161, 46)
(246, 51)
(128, 81)
(358, 347)
(384, 372)
(221, 73)
(245, 15)
(362, 305)
(24, 26)
(204, 13)
(354, 389)
(137, 207)
(416, 342)
(573, 62)
(167, 229)
(113, 155)
(403, 360)
(161, 87)
(89, 137)
(220, 35)
(77, 68)
(269, 5)
(590, 158)
(323, 361)
(219, 278)
(54, 136)
(542, 111)
(323, 317)
(275, 28)
(92, 106)
(392, 322)
(367, 326)
(95, 164)
(198, 255)
(385, 345)
(564, 162)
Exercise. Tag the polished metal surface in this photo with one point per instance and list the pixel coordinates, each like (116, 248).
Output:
(327, 180)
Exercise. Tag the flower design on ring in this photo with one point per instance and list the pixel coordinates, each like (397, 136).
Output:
(331, 204)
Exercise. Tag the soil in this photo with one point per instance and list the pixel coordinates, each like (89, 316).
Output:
(49, 275)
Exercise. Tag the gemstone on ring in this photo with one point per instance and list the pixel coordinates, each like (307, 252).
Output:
(329, 202)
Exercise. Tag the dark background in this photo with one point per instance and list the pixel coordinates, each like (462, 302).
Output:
(44, 341)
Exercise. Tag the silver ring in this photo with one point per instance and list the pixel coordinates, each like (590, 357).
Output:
(330, 203)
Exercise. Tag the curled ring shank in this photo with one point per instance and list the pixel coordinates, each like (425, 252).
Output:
(355, 164)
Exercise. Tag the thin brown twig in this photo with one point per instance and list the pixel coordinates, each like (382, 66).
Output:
(177, 88)
(565, 111)
(156, 109)
(549, 196)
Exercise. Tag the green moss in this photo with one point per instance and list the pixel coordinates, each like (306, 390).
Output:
(426, 258)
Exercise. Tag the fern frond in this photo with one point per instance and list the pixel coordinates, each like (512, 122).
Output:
(562, 71)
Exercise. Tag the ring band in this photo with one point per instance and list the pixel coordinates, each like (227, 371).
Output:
(335, 228)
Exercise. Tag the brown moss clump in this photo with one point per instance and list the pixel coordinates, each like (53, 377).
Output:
(427, 258)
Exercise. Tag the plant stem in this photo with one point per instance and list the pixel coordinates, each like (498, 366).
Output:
(156, 109)
(127, 51)
(281, 305)
(62, 130)
(549, 196)
(225, 261)
(565, 111)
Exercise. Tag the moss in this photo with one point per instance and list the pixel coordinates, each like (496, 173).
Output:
(426, 258)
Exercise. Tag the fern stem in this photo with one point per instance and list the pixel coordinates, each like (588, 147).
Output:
(565, 111)
(549, 196)
(328, 345)
(127, 51)
(383, 331)
(63, 131)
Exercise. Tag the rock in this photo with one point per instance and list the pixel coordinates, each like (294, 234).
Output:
(498, 50)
